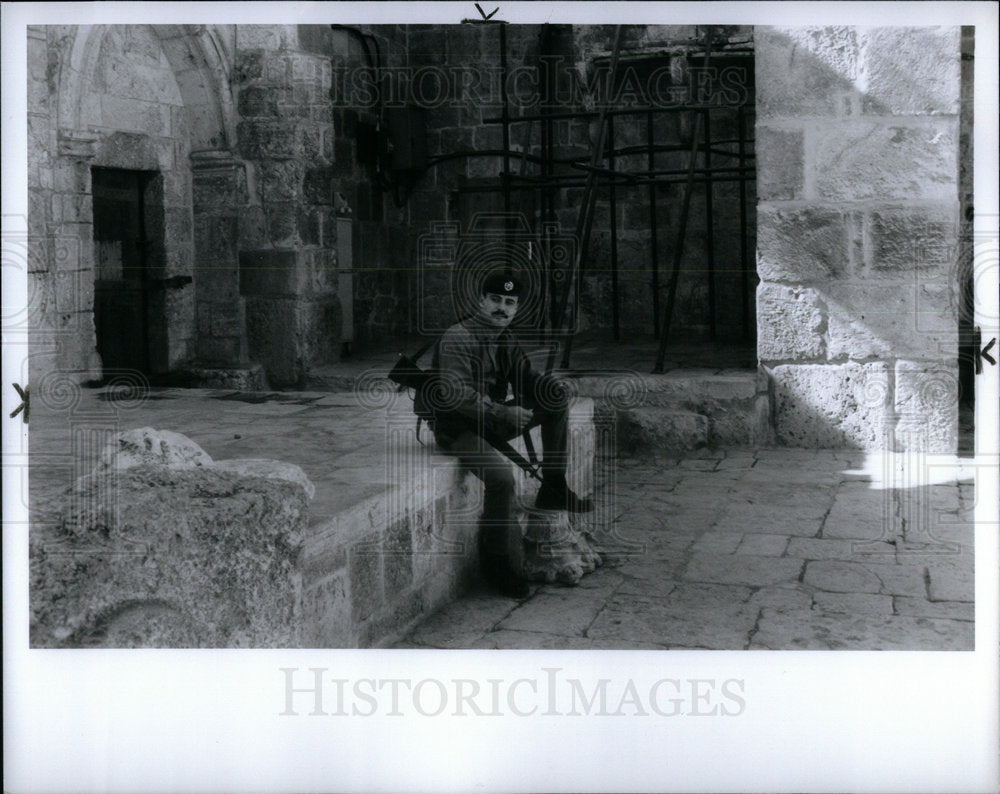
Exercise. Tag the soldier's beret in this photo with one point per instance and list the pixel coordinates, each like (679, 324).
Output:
(503, 284)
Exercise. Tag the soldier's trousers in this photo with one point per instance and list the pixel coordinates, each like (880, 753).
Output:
(499, 534)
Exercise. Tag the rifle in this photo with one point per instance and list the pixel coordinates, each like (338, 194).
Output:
(407, 374)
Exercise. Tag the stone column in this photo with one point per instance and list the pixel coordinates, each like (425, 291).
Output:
(287, 236)
(857, 148)
(70, 239)
(219, 187)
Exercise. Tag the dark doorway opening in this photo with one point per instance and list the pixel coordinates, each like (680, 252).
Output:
(122, 275)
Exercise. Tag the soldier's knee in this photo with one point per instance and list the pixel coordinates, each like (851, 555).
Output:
(500, 479)
(550, 394)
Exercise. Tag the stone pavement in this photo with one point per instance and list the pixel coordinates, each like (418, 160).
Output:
(767, 549)
(728, 549)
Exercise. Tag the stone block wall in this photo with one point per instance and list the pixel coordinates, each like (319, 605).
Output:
(249, 164)
(287, 230)
(126, 112)
(857, 134)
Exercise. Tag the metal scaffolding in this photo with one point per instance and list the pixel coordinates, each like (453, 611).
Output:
(602, 172)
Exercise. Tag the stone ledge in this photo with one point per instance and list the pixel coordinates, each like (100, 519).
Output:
(389, 537)
(376, 568)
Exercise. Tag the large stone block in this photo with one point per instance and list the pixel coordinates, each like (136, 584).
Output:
(280, 180)
(906, 238)
(273, 338)
(167, 555)
(804, 71)
(790, 323)
(926, 400)
(802, 244)
(145, 446)
(650, 430)
(907, 318)
(135, 115)
(911, 71)
(260, 140)
(856, 160)
(846, 405)
(780, 163)
(265, 37)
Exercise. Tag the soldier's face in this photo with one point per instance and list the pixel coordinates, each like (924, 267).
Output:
(498, 309)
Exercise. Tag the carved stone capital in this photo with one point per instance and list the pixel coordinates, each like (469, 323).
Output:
(211, 161)
(77, 143)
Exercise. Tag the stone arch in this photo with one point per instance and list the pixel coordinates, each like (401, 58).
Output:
(201, 64)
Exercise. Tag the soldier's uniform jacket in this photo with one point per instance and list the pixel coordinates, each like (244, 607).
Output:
(478, 365)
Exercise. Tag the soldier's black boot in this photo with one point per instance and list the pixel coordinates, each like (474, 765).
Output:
(502, 577)
(555, 494)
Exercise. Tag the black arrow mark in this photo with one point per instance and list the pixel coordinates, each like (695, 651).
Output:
(985, 353)
(483, 14)
(25, 402)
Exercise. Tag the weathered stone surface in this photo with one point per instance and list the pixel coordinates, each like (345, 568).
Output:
(900, 578)
(642, 430)
(146, 446)
(268, 469)
(246, 379)
(845, 405)
(814, 631)
(555, 551)
(558, 612)
(906, 318)
(856, 160)
(904, 239)
(694, 619)
(860, 513)
(853, 603)
(167, 555)
(952, 579)
(763, 545)
(789, 323)
(749, 517)
(801, 244)
(326, 613)
(922, 608)
(718, 543)
(804, 71)
(911, 70)
(782, 597)
(841, 577)
(780, 163)
(926, 398)
(742, 569)
(459, 624)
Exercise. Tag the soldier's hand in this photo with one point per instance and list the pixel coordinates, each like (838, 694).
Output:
(519, 418)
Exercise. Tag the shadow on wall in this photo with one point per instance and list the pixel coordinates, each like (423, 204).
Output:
(858, 234)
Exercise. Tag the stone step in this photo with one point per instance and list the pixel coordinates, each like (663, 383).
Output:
(646, 430)
(682, 409)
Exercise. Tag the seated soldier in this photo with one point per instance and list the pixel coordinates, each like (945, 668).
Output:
(476, 361)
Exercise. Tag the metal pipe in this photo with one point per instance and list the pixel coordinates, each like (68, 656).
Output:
(685, 209)
(613, 209)
(709, 228)
(585, 219)
(549, 190)
(744, 263)
(654, 250)
(610, 112)
(505, 120)
(639, 182)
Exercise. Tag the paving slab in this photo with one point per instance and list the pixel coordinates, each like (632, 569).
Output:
(719, 626)
(816, 631)
(742, 569)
